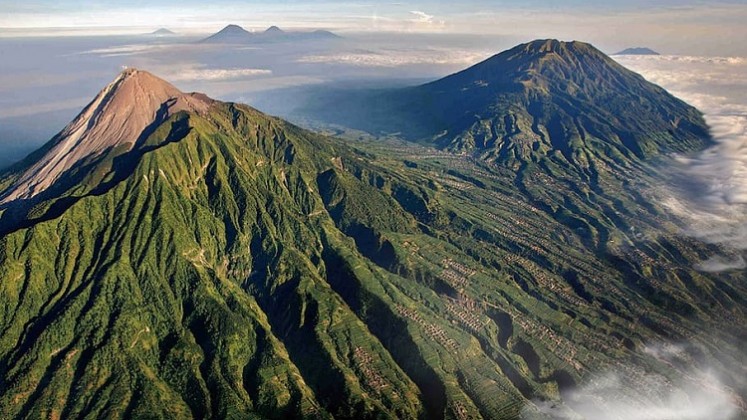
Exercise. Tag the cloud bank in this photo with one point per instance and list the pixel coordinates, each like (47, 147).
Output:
(629, 392)
(125, 50)
(211, 75)
(395, 58)
(719, 263)
(711, 187)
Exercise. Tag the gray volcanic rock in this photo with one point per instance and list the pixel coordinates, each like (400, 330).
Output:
(110, 125)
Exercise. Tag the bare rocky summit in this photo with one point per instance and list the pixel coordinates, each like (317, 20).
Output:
(113, 121)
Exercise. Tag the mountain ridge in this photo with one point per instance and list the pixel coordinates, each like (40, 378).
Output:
(507, 106)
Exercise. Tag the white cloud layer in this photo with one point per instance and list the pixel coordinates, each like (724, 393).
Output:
(628, 392)
(714, 196)
(211, 75)
(125, 50)
(647, 59)
(719, 263)
(395, 58)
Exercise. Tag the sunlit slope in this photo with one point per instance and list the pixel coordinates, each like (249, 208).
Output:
(169, 292)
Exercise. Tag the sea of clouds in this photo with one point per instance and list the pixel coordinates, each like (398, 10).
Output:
(389, 57)
(629, 392)
(709, 188)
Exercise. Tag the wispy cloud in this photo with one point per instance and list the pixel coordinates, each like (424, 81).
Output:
(126, 50)
(718, 263)
(36, 109)
(210, 75)
(421, 17)
(643, 59)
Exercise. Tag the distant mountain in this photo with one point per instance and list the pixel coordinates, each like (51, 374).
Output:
(637, 51)
(544, 99)
(163, 32)
(231, 34)
(236, 35)
(322, 34)
(275, 34)
(274, 30)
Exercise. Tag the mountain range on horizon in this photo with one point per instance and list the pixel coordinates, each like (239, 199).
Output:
(235, 34)
(168, 255)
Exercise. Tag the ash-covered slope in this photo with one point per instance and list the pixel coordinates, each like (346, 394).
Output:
(232, 265)
(114, 123)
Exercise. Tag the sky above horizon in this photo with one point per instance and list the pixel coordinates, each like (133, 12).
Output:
(677, 26)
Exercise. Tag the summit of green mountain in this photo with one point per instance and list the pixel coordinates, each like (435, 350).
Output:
(542, 99)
